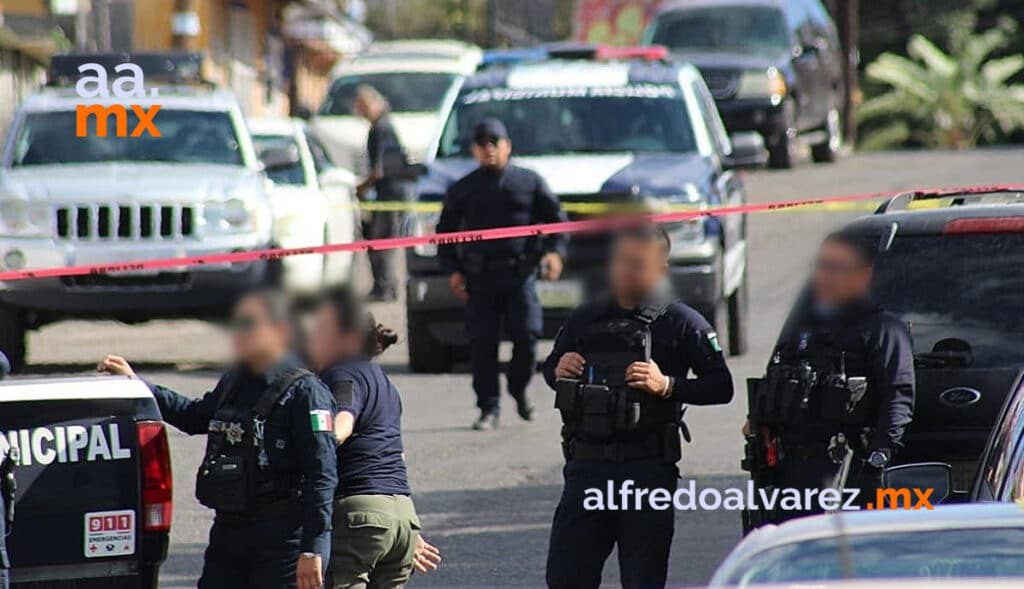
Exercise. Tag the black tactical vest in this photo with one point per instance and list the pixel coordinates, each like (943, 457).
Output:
(235, 476)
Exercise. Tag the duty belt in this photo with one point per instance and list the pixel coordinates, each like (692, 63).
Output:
(651, 445)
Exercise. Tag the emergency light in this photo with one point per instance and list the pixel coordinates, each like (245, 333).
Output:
(573, 51)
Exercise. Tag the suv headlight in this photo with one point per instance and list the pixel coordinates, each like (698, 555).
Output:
(23, 218)
(684, 235)
(229, 216)
(421, 224)
(762, 84)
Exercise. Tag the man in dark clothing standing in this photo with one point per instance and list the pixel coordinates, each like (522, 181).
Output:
(388, 176)
(497, 279)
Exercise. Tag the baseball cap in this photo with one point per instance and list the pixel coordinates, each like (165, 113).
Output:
(490, 127)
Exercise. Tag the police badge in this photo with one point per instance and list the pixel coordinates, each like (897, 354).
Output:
(233, 433)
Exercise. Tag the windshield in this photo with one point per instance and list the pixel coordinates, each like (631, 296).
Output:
(981, 553)
(47, 138)
(294, 174)
(406, 91)
(966, 287)
(549, 121)
(743, 28)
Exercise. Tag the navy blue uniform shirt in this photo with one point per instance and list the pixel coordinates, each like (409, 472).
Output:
(372, 460)
(485, 199)
(293, 447)
(682, 342)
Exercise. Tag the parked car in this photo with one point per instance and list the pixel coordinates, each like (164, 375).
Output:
(972, 543)
(952, 272)
(93, 505)
(313, 203)
(418, 77)
(611, 126)
(773, 66)
(196, 188)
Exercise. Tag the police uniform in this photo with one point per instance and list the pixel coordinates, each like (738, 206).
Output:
(269, 472)
(614, 433)
(375, 523)
(500, 274)
(6, 462)
(837, 396)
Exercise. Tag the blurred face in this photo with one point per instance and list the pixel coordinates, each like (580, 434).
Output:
(840, 276)
(638, 267)
(492, 152)
(256, 339)
(364, 107)
(326, 343)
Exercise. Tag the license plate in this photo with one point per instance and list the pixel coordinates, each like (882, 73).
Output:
(560, 294)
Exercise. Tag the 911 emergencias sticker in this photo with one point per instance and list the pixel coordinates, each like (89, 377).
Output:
(109, 533)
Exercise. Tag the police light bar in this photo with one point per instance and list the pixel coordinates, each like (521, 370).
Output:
(512, 56)
(648, 53)
(168, 67)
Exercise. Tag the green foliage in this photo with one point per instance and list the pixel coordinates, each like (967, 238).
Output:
(946, 100)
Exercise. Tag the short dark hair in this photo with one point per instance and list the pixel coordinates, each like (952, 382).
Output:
(861, 245)
(647, 233)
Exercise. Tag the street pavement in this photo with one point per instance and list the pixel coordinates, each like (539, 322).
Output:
(486, 499)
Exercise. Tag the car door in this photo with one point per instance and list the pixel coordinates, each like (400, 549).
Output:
(338, 188)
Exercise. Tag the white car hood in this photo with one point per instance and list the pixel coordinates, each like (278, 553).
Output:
(129, 182)
(577, 174)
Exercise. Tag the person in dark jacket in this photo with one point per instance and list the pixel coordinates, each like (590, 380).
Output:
(377, 539)
(271, 420)
(388, 176)
(497, 278)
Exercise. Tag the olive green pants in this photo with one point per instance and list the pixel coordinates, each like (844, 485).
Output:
(373, 542)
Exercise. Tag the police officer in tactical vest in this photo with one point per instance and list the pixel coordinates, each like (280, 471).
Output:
(621, 368)
(270, 467)
(839, 389)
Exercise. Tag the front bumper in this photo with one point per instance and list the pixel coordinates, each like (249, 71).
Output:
(753, 114)
(194, 291)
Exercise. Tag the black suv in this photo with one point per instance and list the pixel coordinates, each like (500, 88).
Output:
(773, 66)
(952, 272)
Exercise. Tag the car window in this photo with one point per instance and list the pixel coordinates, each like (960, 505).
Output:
(321, 158)
(294, 175)
(708, 109)
(997, 464)
(550, 121)
(978, 553)
(405, 91)
(186, 136)
(727, 28)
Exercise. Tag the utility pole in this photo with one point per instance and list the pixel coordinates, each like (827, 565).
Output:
(492, 23)
(847, 15)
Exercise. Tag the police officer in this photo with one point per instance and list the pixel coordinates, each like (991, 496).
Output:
(6, 506)
(388, 176)
(621, 371)
(270, 467)
(839, 389)
(497, 278)
(377, 541)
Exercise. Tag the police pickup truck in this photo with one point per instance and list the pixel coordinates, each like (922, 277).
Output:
(93, 501)
(610, 130)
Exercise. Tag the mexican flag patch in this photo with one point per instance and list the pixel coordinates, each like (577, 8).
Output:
(713, 340)
(320, 420)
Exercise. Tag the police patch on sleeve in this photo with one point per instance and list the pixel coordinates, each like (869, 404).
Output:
(713, 341)
(320, 420)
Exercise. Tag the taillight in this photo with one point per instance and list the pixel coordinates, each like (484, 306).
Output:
(157, 483)
(985, 225)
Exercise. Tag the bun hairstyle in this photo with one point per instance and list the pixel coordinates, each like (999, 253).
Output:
(354, 318)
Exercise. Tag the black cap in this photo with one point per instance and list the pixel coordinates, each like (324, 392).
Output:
(490, 127)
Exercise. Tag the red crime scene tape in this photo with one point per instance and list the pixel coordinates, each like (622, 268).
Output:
(583, 226)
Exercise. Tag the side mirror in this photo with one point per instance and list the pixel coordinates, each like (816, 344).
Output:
(748, 151)
(278, 158)
(303, 113)
(936, 476)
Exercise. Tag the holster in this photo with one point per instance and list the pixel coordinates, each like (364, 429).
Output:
(222, 483)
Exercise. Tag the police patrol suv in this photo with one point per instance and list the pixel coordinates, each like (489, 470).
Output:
(93, 501)
(608, 128)
(71, 197)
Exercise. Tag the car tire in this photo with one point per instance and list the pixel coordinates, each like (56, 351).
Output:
(782, 152)
(13, 333)
(828, 151)
(739, 312)
(426, 354)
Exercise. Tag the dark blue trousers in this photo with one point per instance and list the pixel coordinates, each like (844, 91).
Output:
(582, 539)
(498, 299)
(256, 554)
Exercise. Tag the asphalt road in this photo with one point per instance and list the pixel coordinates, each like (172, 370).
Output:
(486, 499)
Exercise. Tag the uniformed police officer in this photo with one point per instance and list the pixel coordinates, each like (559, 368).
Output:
(377, 539)
(839, 389)
(387, 175)
(497, 278)
(621, 371)
(6, 497)
(270, 467)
